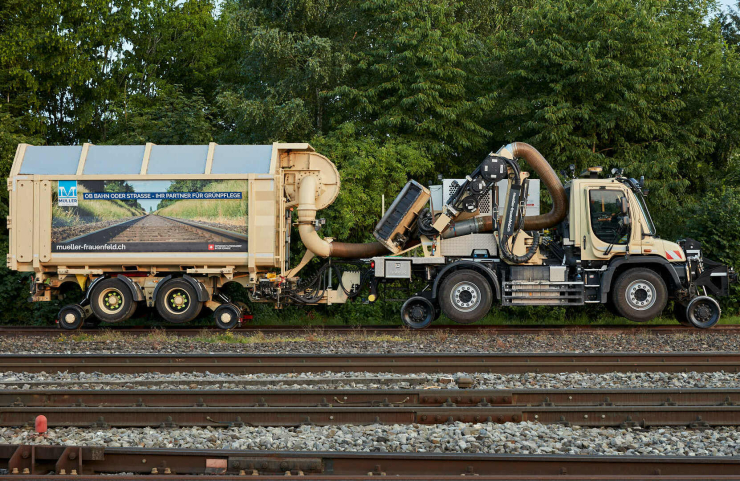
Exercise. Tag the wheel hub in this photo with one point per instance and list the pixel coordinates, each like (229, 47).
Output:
(178, 300)
(640, 295)
(69, 318)
(465, 296)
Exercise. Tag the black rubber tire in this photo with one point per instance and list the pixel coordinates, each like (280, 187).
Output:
(453, 300)
(71, 317)
(227, 316)
(417, 312)
(167, 305)
(101, 301)
(679, 312)
(642, 286)
(609, 305)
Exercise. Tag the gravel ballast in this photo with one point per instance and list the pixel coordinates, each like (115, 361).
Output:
(319, 342)
(365, 380)
(509, 438)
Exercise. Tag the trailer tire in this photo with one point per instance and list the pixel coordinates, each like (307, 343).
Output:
(177, 301)
(465, 296)
(640, 294)
(111, 300)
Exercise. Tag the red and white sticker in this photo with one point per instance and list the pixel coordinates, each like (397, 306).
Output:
(673, 255)
(211, 247)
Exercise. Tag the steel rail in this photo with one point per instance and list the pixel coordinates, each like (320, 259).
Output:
(170, 417)
(394, 363)
(196, 330)
(369, 397)
(87, 462)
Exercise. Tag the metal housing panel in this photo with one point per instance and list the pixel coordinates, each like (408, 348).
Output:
(463, 246)
(51, 160)
(23, 221)
(397, 269)
(242, 159)
(178, 159)
(114, 159)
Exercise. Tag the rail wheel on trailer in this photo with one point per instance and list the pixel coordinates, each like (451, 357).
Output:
(178, 301)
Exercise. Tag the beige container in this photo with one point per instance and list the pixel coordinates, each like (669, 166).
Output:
(40, 190)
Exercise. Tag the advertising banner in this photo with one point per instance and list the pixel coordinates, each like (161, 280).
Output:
(149, 216)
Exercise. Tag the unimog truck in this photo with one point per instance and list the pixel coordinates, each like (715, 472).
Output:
(597, 245)
(170, 227)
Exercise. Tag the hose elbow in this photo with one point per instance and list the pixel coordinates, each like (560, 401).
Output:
(552, 182)
(306, 217)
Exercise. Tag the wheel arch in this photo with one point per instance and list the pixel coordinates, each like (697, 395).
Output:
(460, 265)
(656, 264)
(203, 295)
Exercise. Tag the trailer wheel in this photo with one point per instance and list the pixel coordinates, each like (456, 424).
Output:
(111, 301)
(178, 302)
(640, 295)
(227, 316)
(71, 317)
(417, 312)
(465, 296)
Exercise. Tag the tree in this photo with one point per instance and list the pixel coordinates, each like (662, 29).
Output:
(618, 82)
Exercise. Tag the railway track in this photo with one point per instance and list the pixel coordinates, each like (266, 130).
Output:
(692, 408)
(393, 363)
(380, 329)
(166, 464)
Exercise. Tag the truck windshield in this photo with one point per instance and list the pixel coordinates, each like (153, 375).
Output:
(645, 212)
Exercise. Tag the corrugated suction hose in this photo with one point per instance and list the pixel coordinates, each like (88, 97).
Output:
(310, 238)
(552, 182)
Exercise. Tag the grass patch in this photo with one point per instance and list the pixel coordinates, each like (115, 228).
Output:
(88, 211)
(220, 211)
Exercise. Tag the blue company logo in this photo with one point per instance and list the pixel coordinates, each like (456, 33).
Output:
(67, 193)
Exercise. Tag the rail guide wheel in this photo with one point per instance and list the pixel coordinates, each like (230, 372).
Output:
(418, 312)
(71, 317)
(703, 312)
(227, 316)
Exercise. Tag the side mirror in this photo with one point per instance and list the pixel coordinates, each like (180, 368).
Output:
(625, 205)
(626, 220)
(642, 182)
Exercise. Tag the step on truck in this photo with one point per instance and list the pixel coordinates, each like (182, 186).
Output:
(169, 227)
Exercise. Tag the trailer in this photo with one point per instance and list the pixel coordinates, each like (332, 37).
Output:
(168, 227)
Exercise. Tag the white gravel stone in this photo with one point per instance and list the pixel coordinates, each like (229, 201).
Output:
(367, 380)
(512, 438)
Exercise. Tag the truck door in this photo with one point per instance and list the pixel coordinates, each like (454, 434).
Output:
(609, 221)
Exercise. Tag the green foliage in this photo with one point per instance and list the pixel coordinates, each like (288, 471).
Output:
(390, 90)
(714, 221)
(619, 83)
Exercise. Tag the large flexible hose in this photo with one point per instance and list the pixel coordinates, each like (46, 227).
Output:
(310, 238)
(552, 182)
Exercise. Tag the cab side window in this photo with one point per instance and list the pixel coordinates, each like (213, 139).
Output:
(607, 218)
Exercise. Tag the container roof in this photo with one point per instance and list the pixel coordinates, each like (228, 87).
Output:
(163, 159)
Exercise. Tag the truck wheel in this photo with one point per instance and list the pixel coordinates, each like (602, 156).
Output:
(417, 312)
(177, 301)
(465, 296)
(227, 316)
(639, 295)
(703, 312)
(71, 317)
(111, 301)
